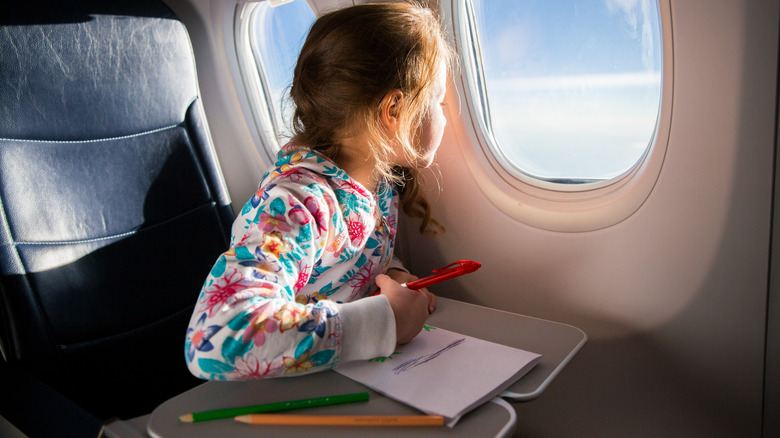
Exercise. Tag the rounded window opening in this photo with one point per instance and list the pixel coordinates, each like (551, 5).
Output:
(569, 92)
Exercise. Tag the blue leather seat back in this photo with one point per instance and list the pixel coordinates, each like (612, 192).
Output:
(113, 206)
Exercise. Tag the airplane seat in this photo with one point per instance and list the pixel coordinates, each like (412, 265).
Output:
(112, 204)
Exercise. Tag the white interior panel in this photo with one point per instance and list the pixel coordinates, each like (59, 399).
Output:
(673, 298)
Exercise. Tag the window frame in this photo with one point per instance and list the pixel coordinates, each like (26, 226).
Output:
(547, 204)
(253, 76)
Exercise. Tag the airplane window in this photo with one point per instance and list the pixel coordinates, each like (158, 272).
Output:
(568, 93)
(276, 35)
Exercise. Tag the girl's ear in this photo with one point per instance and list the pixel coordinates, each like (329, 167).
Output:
(391, 107)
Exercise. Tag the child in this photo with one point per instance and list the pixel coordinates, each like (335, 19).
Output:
(296, 291)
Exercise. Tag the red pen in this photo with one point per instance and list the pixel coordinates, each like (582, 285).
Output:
(450, 271)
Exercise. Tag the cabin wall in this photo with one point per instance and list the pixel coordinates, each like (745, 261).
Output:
(673, 298)
(210, 24)
(772, 368)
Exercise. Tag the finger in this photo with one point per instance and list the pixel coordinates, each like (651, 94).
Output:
(382, 281)
(431, 301)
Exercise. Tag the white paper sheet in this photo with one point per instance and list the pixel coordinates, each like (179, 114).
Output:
(443, 373)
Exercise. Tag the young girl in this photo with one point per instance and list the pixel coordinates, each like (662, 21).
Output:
(296, 292)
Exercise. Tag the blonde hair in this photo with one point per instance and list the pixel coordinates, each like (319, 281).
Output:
(351, 59)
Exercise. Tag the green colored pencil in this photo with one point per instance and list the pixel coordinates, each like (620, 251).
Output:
(274, 407)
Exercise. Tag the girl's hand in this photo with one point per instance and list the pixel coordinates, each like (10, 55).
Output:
(410, 308)
(404, 277)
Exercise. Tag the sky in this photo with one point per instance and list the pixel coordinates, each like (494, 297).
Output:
(279, 35)
(574, 86)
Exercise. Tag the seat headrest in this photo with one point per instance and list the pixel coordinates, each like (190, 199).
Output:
(98, 79)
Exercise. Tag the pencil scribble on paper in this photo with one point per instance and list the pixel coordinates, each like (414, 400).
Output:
(409, 364)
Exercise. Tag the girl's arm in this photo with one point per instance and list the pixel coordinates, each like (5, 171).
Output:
(248, 322)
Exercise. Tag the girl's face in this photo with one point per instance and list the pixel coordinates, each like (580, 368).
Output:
(432, 128)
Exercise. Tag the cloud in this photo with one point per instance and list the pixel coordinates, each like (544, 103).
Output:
(617, 80)
(633, 11)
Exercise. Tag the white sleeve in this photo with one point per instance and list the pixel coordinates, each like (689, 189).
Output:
(368, 328)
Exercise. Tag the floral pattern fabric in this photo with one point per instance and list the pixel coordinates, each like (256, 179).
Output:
(310, 238)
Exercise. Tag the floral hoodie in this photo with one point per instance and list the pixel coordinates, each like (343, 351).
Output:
(294, 293)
